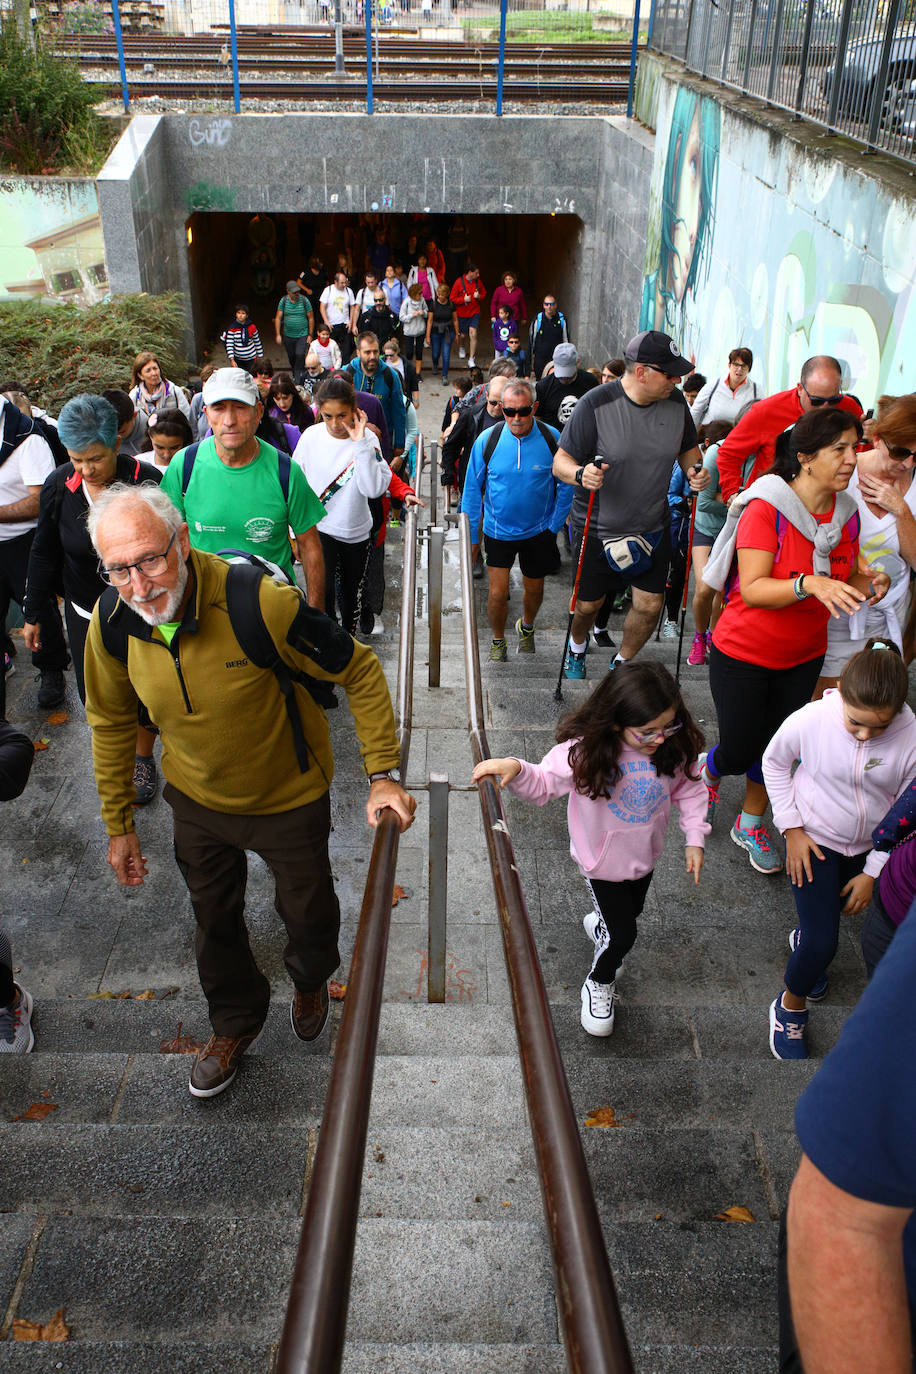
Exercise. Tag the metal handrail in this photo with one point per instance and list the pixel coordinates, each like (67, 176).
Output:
(316, 1315)
(593, 1330)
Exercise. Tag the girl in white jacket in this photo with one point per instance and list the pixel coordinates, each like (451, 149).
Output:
(343, 463)
(832, 771)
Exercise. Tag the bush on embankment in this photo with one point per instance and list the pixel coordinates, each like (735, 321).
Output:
(47, 123)
(57, 351)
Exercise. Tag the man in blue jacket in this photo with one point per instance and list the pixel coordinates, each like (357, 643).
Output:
(368, 373)
(510, 473)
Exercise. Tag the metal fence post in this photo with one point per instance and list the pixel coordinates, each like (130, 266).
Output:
(119, 39)
(777, 49)
(803, 60)
(339, 68)
(368, 11)
(836, 84)
(749, 48)
(233, 44)
(503, 7)
(689, 28)
(879, 89)
(438, 885)
(435, 547)
(726, 48)
(632, 81)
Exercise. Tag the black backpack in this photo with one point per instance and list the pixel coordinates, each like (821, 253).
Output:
(283, 468)
(312, 633)
(496, 430)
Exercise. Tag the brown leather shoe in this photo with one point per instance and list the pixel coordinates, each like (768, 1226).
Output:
(309, 1012)
(217, 1064)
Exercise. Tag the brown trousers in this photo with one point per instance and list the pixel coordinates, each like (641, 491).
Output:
(210, 852)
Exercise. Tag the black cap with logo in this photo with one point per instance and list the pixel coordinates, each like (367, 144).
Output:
(658, 350)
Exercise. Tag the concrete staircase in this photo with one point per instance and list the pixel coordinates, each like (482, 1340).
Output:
(166, 1227)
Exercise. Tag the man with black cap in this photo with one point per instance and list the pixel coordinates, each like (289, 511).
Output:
(294, 327)
(621, 443)
(558, 391)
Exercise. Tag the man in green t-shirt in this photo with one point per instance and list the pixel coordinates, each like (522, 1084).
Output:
(234, 499)
(293, 326)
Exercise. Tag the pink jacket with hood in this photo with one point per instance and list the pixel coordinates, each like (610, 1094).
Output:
(842, 786)
(620, 836)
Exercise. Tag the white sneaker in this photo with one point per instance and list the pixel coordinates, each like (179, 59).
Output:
(670, 629)
(472, 362)
(596, 930)
(378, 628)
(597, 1007)
(462, 351)
(16, 1036)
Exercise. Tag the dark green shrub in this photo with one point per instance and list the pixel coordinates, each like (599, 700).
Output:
(46, 116)
(57, 351)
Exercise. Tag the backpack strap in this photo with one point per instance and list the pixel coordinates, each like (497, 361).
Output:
(489, 447)
(113, 624)
(284, 468)
(243, 583)
(190, 454)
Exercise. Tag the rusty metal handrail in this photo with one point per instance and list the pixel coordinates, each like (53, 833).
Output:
(593, 1330)
(316, 1315)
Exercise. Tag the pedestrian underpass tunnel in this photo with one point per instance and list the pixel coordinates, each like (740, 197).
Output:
(226, 208)
(249, 258)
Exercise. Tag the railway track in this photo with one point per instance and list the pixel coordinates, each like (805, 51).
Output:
(560, 91)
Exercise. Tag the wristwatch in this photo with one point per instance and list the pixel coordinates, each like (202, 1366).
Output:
(377, 777)
(579, 472)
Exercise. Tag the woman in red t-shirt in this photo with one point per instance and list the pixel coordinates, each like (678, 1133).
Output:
(771, 637)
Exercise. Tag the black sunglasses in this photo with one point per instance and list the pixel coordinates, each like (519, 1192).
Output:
(512, 411)
(671, 376)
(823, 400)
(899, 452)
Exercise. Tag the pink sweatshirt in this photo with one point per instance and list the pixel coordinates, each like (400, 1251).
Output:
(620, 836)
(842, 786)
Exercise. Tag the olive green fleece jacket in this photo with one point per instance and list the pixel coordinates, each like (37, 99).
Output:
(226, 738)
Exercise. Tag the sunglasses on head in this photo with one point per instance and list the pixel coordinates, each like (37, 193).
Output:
(511, 411)
(822, 400)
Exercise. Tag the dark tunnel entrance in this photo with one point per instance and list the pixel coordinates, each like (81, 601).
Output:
(249, 258)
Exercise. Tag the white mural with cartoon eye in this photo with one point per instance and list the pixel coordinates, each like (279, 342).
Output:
(756, 241)
(51, 244)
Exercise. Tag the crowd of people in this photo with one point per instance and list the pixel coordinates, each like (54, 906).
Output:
(219, 556)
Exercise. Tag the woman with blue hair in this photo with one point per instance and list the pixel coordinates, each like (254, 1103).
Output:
(62, 559)
(687, 213)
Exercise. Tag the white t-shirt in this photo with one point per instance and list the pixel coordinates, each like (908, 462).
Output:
(27, 466)
(879, 545)
(338, 303)
(326, 460)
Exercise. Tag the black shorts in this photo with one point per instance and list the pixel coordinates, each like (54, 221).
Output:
(537, 556)
(600, 580)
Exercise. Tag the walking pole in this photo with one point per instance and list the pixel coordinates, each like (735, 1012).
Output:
(680, 638)
(558, 694)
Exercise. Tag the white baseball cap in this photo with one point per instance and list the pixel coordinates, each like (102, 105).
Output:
(231, 384)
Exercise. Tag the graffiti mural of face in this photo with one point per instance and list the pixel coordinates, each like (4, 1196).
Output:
(688, 193)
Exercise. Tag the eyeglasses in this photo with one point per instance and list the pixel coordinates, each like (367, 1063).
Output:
(548, 303)
(899, 452)
(511, 411)
(671, 376)
(646, 736)
(153, 566)
(822, 400)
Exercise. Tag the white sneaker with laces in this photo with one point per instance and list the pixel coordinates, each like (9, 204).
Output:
(16, 1035)
(597, 1007)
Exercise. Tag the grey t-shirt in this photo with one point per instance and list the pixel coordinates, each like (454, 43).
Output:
(639, 444)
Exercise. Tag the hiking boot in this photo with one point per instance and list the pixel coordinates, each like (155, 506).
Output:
(525, 638)
(697, 656)
(16, 1024)
(788, 1032)
(218, 1063)
(309, 1012)
(819, 991)
(712, 792)
(52, 689)
(499, 651)
(146, 780)
(597, 1015)
(760, 852)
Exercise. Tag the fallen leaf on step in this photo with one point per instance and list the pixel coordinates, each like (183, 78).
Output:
(37, 1112)
(58, 718)
(397, 894)
(147, 995)
(337, 991)
(735, 1214)
(40, 744)
(182, 1044)
(602, 1116)
(54, 1330)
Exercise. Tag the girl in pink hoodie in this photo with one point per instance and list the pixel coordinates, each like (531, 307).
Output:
(623, 757)
(832, 771)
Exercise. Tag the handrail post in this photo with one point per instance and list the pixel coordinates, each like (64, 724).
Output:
(438, 885)
(633, 48)
(501, 65)
(233, 44)
(122, 68)
(435, 549)
(432, 448)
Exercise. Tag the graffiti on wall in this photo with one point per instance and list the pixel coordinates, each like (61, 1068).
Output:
(51, 243)
(754, 240)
